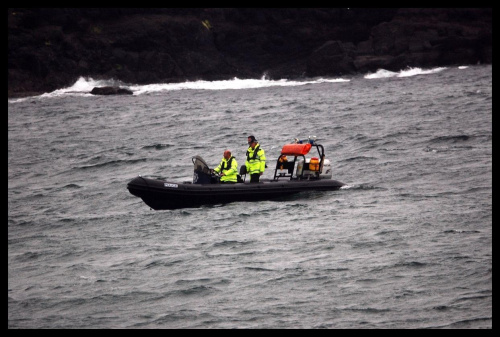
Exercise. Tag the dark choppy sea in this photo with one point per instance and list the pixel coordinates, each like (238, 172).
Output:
(407, 244)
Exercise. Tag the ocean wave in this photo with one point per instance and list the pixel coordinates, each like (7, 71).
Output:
(412, 264)
(468, 324)
(196, 290)
(234, 84)
(382, 73)
(362, 187)
(71, 186)
(452, 139)
(357, 158)
(457, 231)
(156, 146)
(231, 243)
(368, 310)
(111, 163)
(84, 85)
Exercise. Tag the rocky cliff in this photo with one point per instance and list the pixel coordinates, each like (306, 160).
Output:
(49, 48)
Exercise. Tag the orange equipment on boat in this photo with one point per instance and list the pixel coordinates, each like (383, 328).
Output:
(314, 164)
(296, 149)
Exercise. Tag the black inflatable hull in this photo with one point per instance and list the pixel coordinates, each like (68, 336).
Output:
(162, 195)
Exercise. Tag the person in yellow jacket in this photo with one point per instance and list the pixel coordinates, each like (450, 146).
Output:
(228, 168)
(256, 160)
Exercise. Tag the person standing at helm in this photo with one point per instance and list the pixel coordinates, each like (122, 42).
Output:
(256, 160)
(228, 168)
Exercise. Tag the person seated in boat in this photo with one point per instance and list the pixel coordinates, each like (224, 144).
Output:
(256, 160)
(228, 168)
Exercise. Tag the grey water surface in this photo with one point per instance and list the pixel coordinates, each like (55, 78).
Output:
(407, 243)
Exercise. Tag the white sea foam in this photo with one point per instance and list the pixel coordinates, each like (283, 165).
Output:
(84, 85)
(382, 73)
(234, 84)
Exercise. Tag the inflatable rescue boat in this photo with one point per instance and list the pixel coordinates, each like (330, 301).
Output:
(291, 176)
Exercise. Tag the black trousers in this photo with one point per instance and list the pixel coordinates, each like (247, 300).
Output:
(254, 178)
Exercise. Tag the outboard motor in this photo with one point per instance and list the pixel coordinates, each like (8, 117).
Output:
(202, 174)
(243, 172)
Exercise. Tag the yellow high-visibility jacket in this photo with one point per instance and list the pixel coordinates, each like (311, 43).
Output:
(229, 168)
(256, 160)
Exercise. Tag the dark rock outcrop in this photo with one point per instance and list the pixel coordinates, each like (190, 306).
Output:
(50, 48)
(111, 91)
